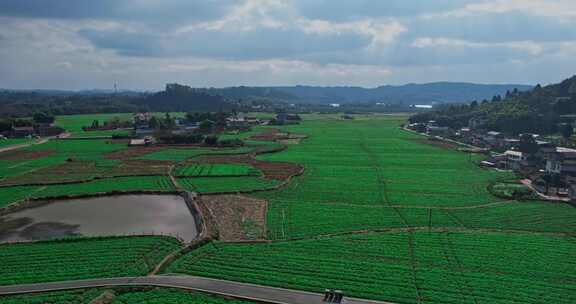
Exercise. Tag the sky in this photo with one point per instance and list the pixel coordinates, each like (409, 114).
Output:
(144, 44)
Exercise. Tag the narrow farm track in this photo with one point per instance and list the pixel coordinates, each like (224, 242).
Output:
(431, 229)
(227, 288)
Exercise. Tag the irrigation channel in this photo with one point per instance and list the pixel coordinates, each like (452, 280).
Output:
(102, 216)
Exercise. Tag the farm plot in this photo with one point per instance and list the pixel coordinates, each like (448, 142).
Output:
(119, 296)
(418, 267)
(82, 258)
(13, 141)
(204, 170)
(181, 154)
(372, 163)
(168, 296)
(25, 163)
(117, 184)
(56, 297)
(9, 195)
(74, 123)
(226, 184)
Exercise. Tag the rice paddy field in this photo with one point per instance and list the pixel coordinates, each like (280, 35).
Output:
(378, 212)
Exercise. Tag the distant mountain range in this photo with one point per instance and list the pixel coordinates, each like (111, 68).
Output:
(428, 93)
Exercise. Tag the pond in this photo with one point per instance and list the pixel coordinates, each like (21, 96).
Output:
(101, 216)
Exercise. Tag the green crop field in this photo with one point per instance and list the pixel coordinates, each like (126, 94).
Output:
(56, 297)
(82, 258)
(119, 296)
(346, 222)
(13, 141)
(226, 184)
(379, 212)
(74, 123)
(13, 194)
(418, 267)
(199, 170)
(182, 154)
(57, 152)
(168, 296)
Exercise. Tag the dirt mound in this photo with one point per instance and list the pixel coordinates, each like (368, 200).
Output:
(237, 217)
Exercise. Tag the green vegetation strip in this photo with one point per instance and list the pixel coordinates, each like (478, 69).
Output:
(119, 296)
(181, 154)
(9, 195)
(198, 170)
(418, 267)
(226, 184)
(82, 258)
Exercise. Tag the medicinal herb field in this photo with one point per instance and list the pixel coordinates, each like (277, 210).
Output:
(74, 123)
(56, 297)
(82, 258)
(13, 194)
(198, 170)
(226, 184)
(418, 267)
(381, 213)
(181, 154)
(13, 141)
(57, 152)
(119, 296)
(380, 174)
(378, 212)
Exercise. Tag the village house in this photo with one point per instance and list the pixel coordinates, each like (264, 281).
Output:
(476, 123)
(23, 131)
(562, 161)
(433, 129)
(515, 159)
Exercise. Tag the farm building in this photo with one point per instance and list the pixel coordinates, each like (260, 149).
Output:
(23, 131)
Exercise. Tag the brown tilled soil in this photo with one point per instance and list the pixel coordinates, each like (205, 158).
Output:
(271, 170)
(132, 152)
(437, 143)
(141, 167)
(66, 172)
(237, 217)
(20, 155)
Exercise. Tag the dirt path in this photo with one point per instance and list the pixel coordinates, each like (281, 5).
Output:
(39, 142)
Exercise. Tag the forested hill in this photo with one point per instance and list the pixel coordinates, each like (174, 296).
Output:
(183, 98)
(540, 110)
(438, 92)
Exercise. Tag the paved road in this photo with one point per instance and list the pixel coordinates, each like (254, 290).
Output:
(228, 288)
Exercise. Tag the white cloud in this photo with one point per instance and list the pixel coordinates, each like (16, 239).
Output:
(530, 47)
(565, 9)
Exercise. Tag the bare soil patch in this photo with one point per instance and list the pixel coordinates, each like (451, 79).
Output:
(66, 172)
(21, 155)
(132, 152)
(237, 217)
(437, 143)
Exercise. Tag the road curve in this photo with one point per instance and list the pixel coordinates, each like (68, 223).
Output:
(235, 289)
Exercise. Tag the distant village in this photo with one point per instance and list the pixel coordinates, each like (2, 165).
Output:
(548, 168)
